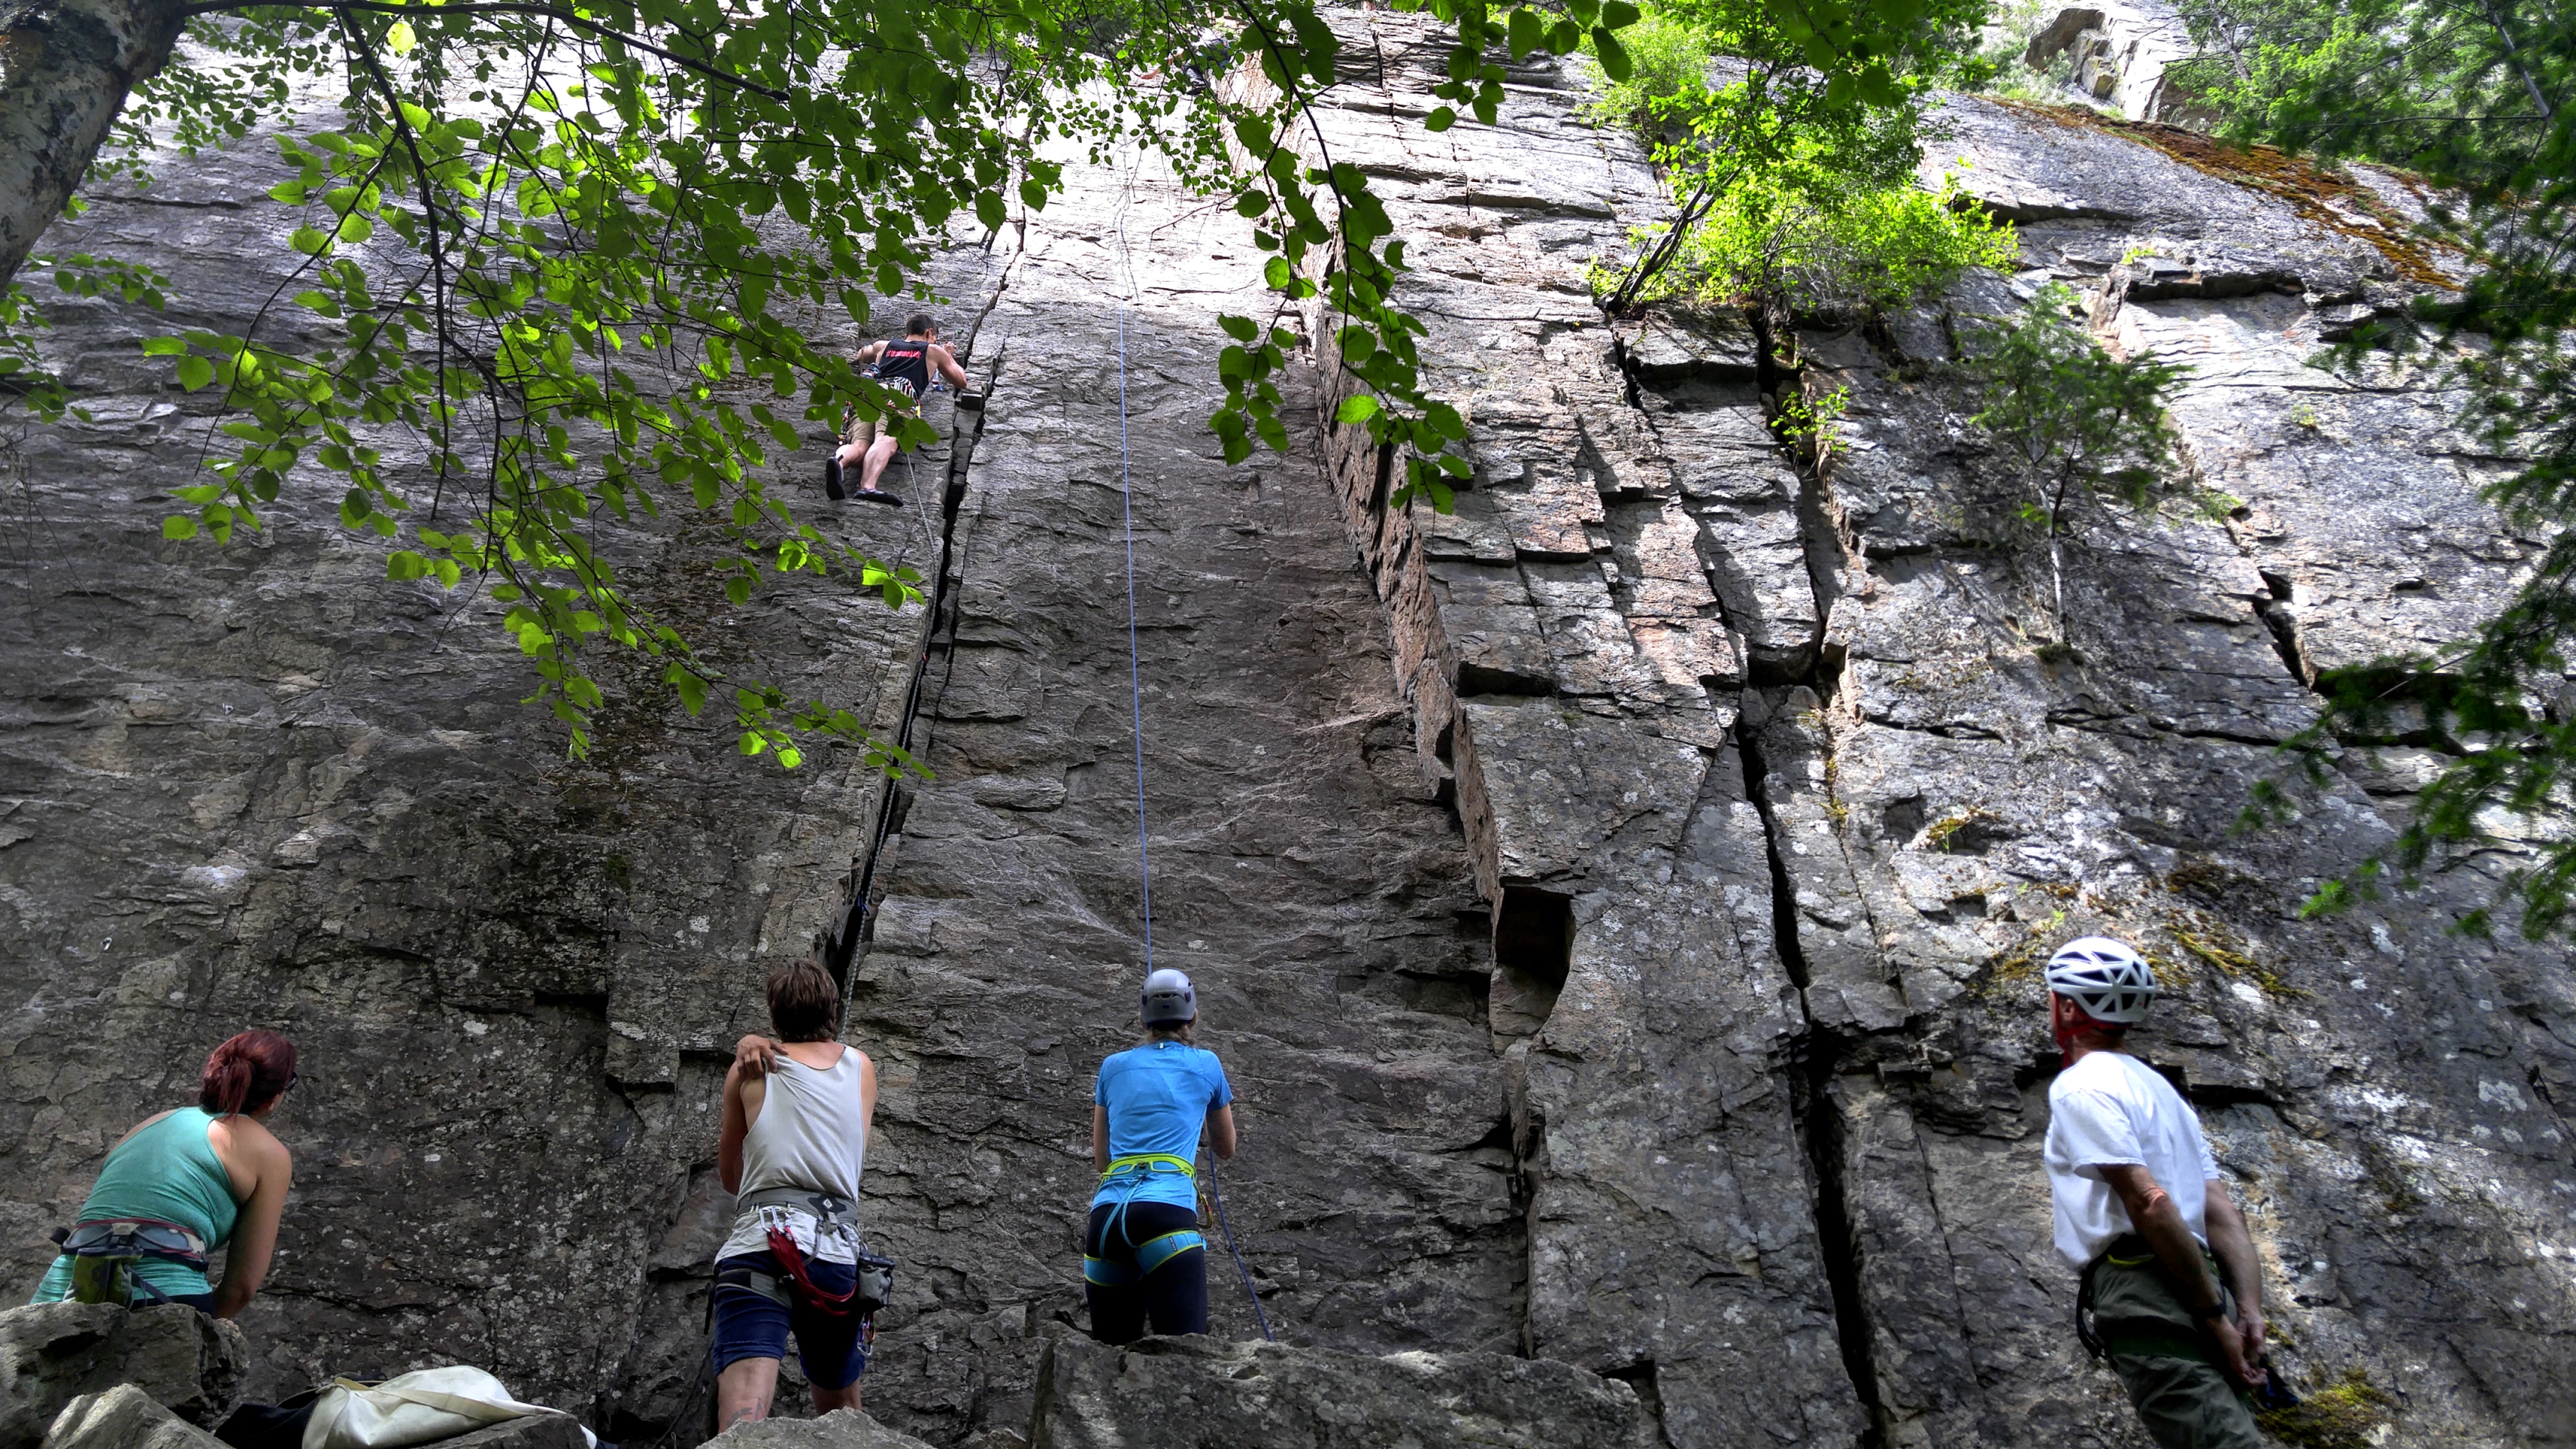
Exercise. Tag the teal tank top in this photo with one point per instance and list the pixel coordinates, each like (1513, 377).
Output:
(167, 1172)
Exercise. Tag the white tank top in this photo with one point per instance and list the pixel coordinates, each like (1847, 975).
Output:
(812, 1133)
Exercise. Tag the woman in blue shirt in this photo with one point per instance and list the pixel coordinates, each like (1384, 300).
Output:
(1143, 1259)
(198, 1178)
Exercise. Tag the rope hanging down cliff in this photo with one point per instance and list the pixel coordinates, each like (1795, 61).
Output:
(1136, 702)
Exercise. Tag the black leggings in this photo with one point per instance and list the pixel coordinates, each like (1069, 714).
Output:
(1174, 1296)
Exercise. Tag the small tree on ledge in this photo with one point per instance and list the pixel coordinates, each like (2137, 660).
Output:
(2083, 422)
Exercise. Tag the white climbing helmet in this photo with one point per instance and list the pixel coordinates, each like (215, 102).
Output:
(2107, 978)
(1167, 999)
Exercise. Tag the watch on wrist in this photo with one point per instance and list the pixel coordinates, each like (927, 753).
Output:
(2216, 1312)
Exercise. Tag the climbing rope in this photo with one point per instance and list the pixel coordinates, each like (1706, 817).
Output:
(1136, 702)
(1217, 1198)
(1135, 671)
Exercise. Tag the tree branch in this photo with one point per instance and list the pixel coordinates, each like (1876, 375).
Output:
(494, 7)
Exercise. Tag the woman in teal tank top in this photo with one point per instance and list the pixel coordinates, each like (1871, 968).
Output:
(213, 1170)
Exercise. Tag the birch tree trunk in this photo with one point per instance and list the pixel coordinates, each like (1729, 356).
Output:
(65, 68)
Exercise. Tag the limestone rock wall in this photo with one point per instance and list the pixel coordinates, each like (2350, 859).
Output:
(262, 785)
(1617, 901)
(1768, 744)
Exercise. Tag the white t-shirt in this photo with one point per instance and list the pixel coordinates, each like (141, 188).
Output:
(2111, 1109)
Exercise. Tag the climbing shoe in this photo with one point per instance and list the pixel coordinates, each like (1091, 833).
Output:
(972, 402)
(832, 477)
(878, 495)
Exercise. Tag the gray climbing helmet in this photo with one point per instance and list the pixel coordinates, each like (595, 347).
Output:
(2107, 978)
(1167, 999)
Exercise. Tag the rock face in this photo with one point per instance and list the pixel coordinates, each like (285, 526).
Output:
(123, 1417)
(1194, 1393)
(1618, 903)
(173, 1356)
(840, 1429)
(2122, 50)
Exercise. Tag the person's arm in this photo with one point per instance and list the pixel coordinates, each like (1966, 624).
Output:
(1099, 1138)
(949, 369)
(741, 1104)
(2233, 1245)
(867, 1097)
(1220, 1132)
(254, 1241)
(2153, 1214)
(755, 1055)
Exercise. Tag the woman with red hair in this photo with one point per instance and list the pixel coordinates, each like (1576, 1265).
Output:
(192, 1179)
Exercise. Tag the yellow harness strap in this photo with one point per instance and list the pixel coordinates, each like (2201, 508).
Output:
(1148, 1163)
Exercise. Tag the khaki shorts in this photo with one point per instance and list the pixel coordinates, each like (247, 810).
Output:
(2165, 1361)
(863, 431)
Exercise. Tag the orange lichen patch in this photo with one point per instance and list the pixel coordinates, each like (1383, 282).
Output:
(2328, 197)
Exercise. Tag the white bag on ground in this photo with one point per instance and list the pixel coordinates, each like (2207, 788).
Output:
(415, 1408)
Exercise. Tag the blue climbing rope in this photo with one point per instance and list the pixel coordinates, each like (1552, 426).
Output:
(1136, 698)
(1218, 1198)
(1135, 677)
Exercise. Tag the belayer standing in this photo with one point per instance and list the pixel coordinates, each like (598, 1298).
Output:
(906, 363)
(183, 1183)
(1143, 1260)
(796, 1115)
(2170, 1290)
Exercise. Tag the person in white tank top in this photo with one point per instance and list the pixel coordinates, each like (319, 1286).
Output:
(796, 1117)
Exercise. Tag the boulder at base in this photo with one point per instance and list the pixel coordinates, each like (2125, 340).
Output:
(839, 1429)
(53, 1353)
(1196, 1393)
(124, 1417)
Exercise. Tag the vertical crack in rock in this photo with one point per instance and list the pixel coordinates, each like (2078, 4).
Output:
(1814, 1058)
(2280, 617)
(940, 641)
(1784, 892)
(1307, 870)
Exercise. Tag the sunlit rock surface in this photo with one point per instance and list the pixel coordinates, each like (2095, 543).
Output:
(1618, 902)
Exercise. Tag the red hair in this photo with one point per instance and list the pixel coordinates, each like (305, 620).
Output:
(246, 1073)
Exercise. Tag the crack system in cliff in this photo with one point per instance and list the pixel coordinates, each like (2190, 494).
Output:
(1813, 1063)
(938, 638)
(1816, 1057)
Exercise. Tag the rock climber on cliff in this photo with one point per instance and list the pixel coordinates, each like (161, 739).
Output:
(183, 1183)
(1142, 1258)
(795, 1134)
(906, 363)
(2170, 1289)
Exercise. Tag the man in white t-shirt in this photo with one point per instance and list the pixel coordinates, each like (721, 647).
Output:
(2171, 1292)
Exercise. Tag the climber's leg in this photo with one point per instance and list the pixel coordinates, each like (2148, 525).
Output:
(1173, 1258)
(743, 1391)
(1110, 1281)
(832, 1347)
(750, 1338)
(880, 453)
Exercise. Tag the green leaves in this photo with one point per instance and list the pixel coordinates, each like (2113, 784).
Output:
(2474, 98)
(1614, 56)
(1828, 91)
(568, 263)
(2081, 423)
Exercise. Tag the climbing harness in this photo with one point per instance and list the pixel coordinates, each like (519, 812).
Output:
(106, 1252)
(1134, 1173)
(1144, 863)
(875, 1279)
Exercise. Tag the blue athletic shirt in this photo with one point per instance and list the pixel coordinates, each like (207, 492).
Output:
(1159, 1096)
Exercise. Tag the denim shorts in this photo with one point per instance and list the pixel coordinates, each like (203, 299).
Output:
(833, 1349)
